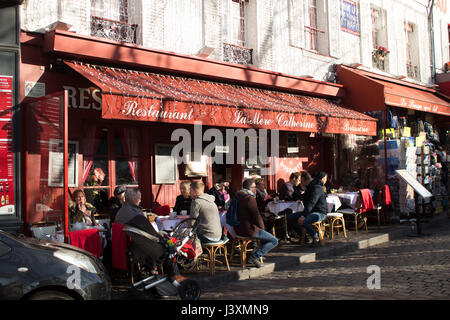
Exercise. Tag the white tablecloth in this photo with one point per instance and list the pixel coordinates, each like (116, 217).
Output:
(166, 223)
(333, 202)
(277, 207)
(349, 198)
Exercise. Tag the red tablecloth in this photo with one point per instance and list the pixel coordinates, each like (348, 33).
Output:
(88, 239)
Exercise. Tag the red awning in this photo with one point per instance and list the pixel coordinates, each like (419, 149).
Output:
(136, 95)
(367, 91)
(407, 97)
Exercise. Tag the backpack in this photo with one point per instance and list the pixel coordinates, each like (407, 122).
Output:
(231, 215)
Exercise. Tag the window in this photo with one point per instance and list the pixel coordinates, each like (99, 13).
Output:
(316, 26)
(110, 158)
(379, 37)
(235, 44)
(237, 16)
(412, 69)
(449, 39)
(110, 19)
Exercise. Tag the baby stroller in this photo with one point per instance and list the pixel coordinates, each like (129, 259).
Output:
(173, 244)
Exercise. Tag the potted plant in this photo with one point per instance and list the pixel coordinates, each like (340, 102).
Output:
(380, 53)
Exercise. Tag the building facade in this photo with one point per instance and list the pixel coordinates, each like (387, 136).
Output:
(302, 38)
(285, 45)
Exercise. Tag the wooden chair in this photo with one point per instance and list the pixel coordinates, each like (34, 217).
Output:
(355, 213)
(379, 208)
(242, 244)
(335, 222)
(212, 250)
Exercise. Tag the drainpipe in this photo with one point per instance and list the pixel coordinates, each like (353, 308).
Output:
(431, 31)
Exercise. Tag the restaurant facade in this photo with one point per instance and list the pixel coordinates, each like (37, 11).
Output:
(125, 101)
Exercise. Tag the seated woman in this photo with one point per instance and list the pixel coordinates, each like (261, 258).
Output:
(220, 193)
(262, 199)
(183, 201)
(289, 191)
(81, 211)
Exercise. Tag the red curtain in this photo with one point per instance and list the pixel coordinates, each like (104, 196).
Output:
(129, 140)
(90, 145)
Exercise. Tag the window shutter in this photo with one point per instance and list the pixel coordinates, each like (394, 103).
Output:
(213, 27)
(334, 27)
(296, 23)
(366, 33)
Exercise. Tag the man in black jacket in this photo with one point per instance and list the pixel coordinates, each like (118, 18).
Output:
(116, 202)
(315, 203)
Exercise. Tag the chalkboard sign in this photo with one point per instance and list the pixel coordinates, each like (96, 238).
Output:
(350, 17)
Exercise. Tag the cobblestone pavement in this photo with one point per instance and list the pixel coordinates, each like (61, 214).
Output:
(410, 268)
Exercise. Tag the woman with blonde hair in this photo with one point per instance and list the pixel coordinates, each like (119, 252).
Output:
(81, 211)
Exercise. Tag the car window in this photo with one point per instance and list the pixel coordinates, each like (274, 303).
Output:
(4, 249)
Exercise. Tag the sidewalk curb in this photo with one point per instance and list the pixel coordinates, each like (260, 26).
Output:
(295, 259)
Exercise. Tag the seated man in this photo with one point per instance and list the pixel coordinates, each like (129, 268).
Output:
(116, 202)
(305, 179)
(132, 215)
(183, 201)
(205, 210)
(289, 190)
(315, 203)
(251, 223)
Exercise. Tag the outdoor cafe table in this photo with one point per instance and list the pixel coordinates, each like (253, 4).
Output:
(275, 207)
(333, 203)
(349, 198)
(167, 223)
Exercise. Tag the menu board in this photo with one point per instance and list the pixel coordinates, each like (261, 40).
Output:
(409, 179)
(6, 146)
(56, 163)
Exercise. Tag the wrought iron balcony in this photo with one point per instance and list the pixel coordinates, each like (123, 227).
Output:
(113, 30)
(379, 61)
(237, 54)
(412, 71)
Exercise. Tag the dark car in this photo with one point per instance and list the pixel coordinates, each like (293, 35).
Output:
(46, 270)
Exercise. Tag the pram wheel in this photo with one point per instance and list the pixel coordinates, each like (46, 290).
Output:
(189, 290)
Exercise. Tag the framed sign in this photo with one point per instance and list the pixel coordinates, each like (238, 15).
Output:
(55, 163)
(350, 17)
(196, 168)
(292, 143)
(165, 165)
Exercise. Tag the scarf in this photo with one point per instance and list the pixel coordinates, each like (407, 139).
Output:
(262, 194)
(249, 192)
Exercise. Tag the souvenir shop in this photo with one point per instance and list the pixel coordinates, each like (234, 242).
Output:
(412, 134)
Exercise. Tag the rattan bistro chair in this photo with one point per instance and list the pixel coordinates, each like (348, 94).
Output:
(335, 221)
(213, 249)
(320, 227)
(243, 245)
(358, 217)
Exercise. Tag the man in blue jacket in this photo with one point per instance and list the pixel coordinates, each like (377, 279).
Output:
(315, 203)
